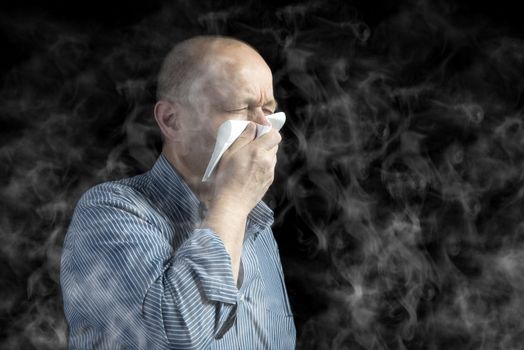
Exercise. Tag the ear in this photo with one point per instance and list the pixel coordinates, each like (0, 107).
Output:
(166, 116)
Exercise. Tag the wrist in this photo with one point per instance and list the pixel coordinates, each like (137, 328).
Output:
(228, 206)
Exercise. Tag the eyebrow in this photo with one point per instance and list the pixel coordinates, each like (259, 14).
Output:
(271, 103)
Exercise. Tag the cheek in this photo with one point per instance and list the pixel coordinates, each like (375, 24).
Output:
(203, 140)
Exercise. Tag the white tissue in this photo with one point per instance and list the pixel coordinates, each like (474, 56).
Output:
(230, 130)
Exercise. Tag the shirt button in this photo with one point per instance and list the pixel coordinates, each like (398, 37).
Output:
(241, 297)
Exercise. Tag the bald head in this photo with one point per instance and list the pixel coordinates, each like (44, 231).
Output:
(193, 61)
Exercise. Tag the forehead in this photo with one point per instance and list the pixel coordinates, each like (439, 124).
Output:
(239, 77)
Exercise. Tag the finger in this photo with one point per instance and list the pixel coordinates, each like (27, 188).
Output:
(245, 137)
(268, 140)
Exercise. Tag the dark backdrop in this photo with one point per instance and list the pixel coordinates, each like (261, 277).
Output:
(399, 188)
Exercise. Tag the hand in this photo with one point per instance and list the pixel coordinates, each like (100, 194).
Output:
(244, 174)
(246, 170)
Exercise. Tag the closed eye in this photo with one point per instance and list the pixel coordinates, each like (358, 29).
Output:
(265, 110)
(237, 109)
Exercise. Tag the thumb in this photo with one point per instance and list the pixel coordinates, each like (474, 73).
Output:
(245, 137)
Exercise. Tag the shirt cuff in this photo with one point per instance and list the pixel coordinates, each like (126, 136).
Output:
(208, 258)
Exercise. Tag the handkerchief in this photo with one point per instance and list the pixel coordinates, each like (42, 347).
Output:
(230, 130)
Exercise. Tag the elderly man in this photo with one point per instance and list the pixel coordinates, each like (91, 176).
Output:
(165, 261)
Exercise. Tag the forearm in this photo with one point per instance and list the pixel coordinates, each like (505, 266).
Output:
(228, 221)
(196, 295)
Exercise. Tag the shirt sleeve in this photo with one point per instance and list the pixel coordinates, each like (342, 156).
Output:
(130, 283)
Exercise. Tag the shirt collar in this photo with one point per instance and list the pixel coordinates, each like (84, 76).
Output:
(175, 192)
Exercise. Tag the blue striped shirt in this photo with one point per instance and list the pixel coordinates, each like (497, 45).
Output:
(138, 273)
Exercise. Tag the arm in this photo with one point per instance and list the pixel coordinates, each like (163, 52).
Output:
(130, 283)
(243, 176)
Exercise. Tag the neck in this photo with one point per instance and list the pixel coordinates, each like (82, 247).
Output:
(191, 174)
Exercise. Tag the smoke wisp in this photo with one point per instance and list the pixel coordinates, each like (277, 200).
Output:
(400, 182)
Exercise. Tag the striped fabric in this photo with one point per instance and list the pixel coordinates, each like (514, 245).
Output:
(137, 273)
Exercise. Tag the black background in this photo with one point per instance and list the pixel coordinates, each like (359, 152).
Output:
(74, 72)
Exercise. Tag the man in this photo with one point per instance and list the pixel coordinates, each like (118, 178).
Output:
(165, 261)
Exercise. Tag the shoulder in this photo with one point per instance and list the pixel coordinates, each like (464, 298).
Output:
(114, 211)
(126, 192)
(118, 201)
